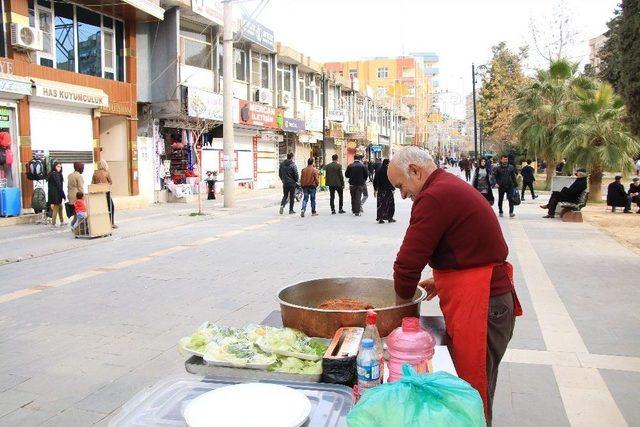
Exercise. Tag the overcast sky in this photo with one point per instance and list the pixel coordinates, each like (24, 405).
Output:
(459, 31)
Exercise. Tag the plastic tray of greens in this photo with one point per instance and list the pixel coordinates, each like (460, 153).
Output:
(256, 347)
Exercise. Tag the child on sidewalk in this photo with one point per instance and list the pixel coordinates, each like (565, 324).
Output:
(80, 208)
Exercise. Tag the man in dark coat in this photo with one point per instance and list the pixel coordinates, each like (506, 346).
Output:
(506, 179)
(634, 191)
(289, 177)
(335, 182)
(569, 194)
(617, 197)
(528, 178)
(357, 174)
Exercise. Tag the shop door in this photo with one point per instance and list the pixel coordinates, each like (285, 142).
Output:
(114, 149)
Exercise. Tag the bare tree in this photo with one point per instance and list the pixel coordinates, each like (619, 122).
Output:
(553, 35)
(198, 125)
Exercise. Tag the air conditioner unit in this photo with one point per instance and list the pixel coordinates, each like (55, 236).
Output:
(25, 37)
(264, 96)
(284, 100)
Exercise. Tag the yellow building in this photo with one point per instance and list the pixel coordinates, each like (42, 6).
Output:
(403, 83)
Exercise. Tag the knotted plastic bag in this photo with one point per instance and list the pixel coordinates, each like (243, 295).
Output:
(419, 400)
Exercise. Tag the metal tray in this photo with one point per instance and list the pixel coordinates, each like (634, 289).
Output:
(196, 365)
(164, 403)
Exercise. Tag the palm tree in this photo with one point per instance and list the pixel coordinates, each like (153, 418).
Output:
(542, 105)
(596, 136)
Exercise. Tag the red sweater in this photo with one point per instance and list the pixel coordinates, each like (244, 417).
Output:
(452, 227)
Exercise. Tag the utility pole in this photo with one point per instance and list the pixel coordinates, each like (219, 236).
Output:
(324, 119)
(227, 123)
(475, 120)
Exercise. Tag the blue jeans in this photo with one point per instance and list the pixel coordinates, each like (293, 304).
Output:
(309, 192)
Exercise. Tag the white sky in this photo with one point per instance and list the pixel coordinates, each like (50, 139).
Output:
(459, 31)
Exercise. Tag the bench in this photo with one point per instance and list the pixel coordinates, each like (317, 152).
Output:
(571, 211)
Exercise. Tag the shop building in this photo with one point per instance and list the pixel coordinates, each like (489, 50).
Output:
(188, 66)
(68, 86)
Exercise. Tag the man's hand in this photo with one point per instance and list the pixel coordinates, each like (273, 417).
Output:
(375, 194)
(429, 285)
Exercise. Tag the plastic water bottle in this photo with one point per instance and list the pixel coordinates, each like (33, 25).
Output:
(371, 332)
(409, 344)
(368, 366)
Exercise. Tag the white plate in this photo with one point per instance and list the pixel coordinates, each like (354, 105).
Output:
(249, 405)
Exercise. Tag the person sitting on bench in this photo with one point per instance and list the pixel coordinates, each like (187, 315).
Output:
(569, 194)
(617, 197)
(634, 192)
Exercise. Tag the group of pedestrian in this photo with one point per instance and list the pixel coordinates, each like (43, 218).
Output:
(74, 206)
(618, 197)
(357, 174)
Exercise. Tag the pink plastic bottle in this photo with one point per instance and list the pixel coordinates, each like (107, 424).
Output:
(409, 344)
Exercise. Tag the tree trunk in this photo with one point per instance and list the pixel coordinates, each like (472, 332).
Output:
(551, 170)
(197, 152)
(595, 184)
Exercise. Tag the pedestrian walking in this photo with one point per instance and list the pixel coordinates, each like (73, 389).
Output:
(357, 174)
(371, 167)
(56, 195)
(383, 190)
(468, 165)
(309, 180)
(103, 176)
(376, 166)
(335, 182)
(483, 181)
(528, 178)
(75, 184)
(289, 176)
(211, 185)
(505, 175)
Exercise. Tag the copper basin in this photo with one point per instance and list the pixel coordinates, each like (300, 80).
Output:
(299, 302)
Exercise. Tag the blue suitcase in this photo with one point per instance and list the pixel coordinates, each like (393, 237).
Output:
(10, 201)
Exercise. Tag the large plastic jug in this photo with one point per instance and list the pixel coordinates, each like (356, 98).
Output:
(409, 344)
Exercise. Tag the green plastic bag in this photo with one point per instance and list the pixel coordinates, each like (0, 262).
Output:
(419, 400)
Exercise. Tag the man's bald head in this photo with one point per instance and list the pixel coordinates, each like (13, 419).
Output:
(409, 170)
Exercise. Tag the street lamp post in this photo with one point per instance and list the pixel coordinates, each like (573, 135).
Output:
(475, 123)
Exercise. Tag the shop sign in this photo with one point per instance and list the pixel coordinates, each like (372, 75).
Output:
(15, 86)
(5, 113)
(339, 142)
(376, 148)
(335, 116)
(6, 67)
(204, 104)
(335, 130)
(271, 137)
(293, 125)
(307, 138)
(123, 109)
(313, 120)
(255, 157)
(351, 128)
(253, 113)
(257, 33)
(210, 9)
(72, 95)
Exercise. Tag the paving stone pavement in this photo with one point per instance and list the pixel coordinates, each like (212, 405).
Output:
(101, 319)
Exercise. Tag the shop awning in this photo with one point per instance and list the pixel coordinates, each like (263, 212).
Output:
(14, 87)
(147, 7)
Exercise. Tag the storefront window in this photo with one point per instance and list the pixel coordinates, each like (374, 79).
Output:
(45, 57)
(120, 50)
(285, 72)
(260, 70)
(89, 42)
(195, 46)
(240, 64)
(65, 53)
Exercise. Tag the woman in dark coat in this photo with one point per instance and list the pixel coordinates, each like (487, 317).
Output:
(56, 192)
(383, 190)
(482, 180)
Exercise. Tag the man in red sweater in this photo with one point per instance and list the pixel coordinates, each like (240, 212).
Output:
(454, 230)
